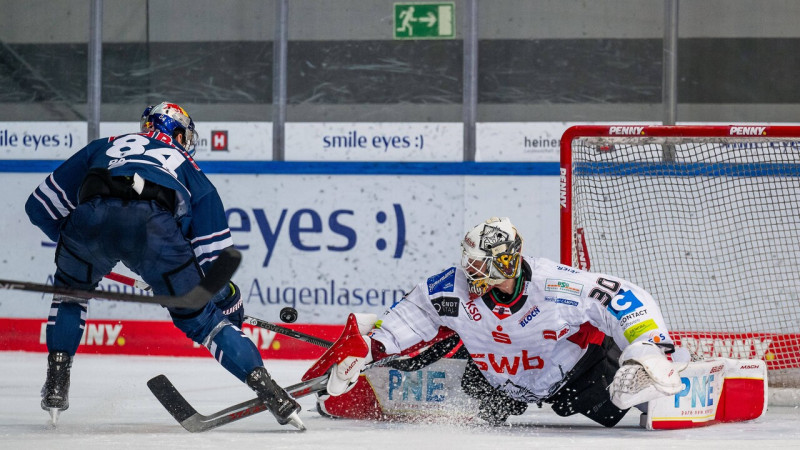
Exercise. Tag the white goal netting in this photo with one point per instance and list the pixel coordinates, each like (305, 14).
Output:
(706, 219)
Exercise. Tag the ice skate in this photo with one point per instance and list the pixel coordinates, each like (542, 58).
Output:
(277, 400)
(55, 392)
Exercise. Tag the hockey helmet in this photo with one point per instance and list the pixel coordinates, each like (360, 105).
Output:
(169, 117)
(144, 121)
(491, 252)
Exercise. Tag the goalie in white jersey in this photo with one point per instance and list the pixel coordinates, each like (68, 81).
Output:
(536, 332)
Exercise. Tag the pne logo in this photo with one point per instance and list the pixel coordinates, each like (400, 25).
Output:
(416, 386)
(700, 389)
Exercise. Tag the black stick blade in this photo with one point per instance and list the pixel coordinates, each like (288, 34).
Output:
(170, 398)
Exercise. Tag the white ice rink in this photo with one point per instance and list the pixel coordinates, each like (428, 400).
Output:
(111, 408)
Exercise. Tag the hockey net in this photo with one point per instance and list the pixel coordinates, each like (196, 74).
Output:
(706, 218)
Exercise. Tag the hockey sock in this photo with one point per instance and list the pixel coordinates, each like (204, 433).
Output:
(65, 325)
(235, 351)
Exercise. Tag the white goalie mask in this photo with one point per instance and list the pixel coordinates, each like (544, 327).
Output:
(491, 253)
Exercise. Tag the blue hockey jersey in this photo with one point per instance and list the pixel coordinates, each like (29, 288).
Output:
(154, 157)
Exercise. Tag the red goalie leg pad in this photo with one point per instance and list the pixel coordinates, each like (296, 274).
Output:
(357, 403)
(741, 399)
(350, 343)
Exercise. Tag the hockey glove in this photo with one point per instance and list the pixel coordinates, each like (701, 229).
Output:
(645, 374)
(231, 304)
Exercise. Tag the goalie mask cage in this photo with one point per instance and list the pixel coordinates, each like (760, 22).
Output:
(705, 218)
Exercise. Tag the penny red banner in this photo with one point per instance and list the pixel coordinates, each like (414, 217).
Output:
(136, 337)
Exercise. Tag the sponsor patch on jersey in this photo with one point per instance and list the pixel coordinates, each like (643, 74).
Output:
(443, 282)
(563, 286)
(639, 329)
(567, 269)
(472, 310)
(555, 335)
(655, 337)
(623, 304)
(446, 306)
(501, 311)
(633, 318)
(533, 312)
(561, 301)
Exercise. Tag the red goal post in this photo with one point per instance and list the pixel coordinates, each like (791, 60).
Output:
(706, 218)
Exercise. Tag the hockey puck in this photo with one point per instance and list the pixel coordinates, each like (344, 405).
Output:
(288, 314)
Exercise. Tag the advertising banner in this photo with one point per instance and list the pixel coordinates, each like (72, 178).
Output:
(216, 141)
(327, 245)
(424, 141)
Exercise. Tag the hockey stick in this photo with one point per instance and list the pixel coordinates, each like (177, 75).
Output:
(216, 278)
(194, 422)
(133, 282)
(139, 284)
(288, 332)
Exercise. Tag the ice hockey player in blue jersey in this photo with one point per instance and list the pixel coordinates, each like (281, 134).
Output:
(140, 199)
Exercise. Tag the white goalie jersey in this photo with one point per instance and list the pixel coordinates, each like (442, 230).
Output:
(527, 350)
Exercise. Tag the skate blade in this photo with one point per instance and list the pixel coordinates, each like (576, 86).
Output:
(294, 419)
(54, 413)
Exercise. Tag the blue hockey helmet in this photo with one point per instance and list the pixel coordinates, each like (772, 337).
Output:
(170, 118)
(144, 122)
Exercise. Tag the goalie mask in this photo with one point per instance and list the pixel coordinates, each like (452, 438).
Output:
(491, 254)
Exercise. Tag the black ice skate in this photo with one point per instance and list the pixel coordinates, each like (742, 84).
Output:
(55, 392)
(277, 400)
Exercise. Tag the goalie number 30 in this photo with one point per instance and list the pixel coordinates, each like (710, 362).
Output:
(605, 291)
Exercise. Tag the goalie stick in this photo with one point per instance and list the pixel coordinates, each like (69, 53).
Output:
(194, 422)
(216, 278)
(437, 348)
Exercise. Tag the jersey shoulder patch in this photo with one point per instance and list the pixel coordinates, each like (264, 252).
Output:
(443, 282)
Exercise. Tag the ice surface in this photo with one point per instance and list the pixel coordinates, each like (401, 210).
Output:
(111, 408)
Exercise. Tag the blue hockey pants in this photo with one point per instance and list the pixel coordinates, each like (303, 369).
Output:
(146, 238)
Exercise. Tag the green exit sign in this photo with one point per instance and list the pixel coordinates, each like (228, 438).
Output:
(424, 20)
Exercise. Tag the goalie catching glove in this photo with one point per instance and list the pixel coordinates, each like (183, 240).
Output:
(645, 374)
(347, 357)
